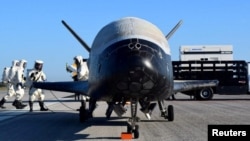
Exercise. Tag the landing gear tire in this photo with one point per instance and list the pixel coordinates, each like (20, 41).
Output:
(170, 113)
(135, 131)
(83, 114)
(129, 128)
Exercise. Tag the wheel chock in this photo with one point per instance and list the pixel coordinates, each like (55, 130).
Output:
(126, 136)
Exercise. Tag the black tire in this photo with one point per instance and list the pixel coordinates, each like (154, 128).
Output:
(83, 114)
(129, 128)
(170, 113)
(205, 94)
(136, 132)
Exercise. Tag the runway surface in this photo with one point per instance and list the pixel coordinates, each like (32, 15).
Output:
(62, 121)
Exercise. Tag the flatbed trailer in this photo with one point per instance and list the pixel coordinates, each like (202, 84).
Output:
(232, 76)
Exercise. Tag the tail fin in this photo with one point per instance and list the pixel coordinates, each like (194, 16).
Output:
(76, 36)
(174, 29)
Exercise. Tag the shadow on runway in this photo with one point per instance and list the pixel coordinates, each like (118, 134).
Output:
(54, 126)
(219, 99)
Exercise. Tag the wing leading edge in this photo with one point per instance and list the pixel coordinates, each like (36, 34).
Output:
(185, 85)
(80, 87)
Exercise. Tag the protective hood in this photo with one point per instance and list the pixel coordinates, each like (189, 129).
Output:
(15, 63)
(79, 59)
(23, 63)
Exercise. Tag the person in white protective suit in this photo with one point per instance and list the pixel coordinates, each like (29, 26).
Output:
(7, 77)
(18, 82)
(36, 75)
(80, 72)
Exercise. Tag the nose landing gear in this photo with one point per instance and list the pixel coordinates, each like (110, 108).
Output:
(132, 127)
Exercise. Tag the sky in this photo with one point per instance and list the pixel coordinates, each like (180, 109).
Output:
(32, 30)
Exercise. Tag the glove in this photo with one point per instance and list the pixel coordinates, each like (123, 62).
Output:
(32, 76)
(67, 69)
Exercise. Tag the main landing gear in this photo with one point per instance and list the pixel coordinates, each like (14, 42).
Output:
(167, 113)
(133, 127)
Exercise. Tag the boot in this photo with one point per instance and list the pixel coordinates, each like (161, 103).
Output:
(2, 102)
(14, 103)
(19, 104)
(23, 105)
(42, 108)
(31, 106)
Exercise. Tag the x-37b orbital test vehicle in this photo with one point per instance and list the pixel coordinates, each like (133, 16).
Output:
(129, 61)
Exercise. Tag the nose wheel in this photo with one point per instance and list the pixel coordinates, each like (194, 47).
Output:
(133, 130)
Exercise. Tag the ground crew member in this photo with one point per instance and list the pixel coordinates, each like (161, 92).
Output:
(18, 82)
(80, 71)
(72, 69)
(36, 75)
(8, 75)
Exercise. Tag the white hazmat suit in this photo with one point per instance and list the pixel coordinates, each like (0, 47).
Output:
(79, 70)
(36, 75)
(8, 75)
(19, 80)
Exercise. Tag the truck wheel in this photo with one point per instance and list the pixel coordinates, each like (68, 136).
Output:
(206, 94)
